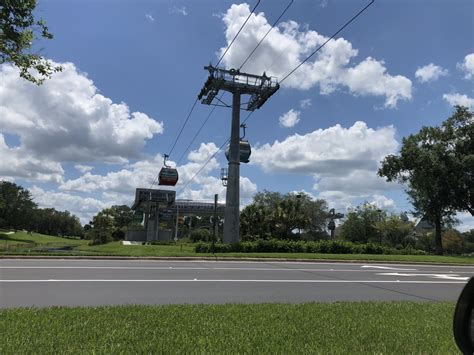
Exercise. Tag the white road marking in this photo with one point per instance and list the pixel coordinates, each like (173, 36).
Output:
(385, 268)
(223, 261)
(433, 276)
(262, 281)
(206, 268)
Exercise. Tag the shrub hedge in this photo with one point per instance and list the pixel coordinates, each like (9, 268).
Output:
(301, 246)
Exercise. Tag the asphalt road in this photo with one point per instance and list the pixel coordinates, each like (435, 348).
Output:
(41, 283)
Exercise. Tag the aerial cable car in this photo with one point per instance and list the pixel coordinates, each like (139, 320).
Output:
(245, 149)
(168, 176)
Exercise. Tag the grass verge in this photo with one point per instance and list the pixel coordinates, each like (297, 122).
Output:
(330, 328)
(20, 243)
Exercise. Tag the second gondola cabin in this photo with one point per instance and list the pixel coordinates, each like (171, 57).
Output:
(245, 151)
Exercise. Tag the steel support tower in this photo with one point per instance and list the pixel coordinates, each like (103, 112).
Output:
(259, 88)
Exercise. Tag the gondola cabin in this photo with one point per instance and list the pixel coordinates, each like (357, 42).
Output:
(245, 151)
(168, 176)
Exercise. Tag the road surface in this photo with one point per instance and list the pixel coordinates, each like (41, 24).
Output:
(41, 283)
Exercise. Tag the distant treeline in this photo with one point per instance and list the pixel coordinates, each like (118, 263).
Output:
(18, 211)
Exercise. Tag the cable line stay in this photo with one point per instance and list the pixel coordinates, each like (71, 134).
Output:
(168, 176)
(245, 149)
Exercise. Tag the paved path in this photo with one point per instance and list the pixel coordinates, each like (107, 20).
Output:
(105, 282)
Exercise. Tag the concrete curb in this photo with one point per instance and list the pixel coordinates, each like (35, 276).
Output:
(207, 258)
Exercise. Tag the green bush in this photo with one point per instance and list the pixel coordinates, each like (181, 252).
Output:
(201, 235)
(299, 246)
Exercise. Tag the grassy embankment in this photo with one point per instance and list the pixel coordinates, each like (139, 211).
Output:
(329, 328)
(20, 243)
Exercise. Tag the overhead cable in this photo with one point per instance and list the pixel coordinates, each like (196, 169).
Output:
(266, 34)
(184, 125)
(197, 133)
(212, 156)
(241, 27)
(321, 46)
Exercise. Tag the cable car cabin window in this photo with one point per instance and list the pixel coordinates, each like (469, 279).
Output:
(245, 151)
(168, 177)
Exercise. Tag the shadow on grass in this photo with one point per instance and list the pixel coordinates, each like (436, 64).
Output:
(8, 237)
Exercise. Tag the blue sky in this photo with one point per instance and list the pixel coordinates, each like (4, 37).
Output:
(93, 133)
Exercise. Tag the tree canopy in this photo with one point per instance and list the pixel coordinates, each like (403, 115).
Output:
(273, 215)
(437, 166)
(19, 211)
(18, 31)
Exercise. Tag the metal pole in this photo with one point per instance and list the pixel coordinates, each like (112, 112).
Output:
(232, 203)
(214, 222)
(176, 229)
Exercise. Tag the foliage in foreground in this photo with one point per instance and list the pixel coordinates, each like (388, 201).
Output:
(18, 31)
(300, 246)
(329, 328)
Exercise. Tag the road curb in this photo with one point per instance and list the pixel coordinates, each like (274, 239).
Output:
(207, 258)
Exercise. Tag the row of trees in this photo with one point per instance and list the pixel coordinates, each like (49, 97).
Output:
(19, 211)
(293, 216)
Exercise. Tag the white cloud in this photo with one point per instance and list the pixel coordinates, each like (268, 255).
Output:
(118, 187)
(179, 10)
(458, 99)
(203, 153)
(150, 17)
(468, 66)
(383, 202)
(83, 168)
(66, 119)
(288, 44)
(14, 164)
(430, 73)
(83, 207)
(335, 149)
(342, 161)
(467, 221)
(323, 3)
(338, 200)
(290, 118)
(305, 103)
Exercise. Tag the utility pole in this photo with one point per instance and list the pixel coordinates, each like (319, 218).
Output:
(177, 222)
(260, 88)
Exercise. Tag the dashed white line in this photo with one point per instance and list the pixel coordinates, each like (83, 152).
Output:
(241, 281)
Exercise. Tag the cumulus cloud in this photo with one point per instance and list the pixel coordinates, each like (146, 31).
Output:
(459, 99)
(290, 118)
(67, 119)
(83, 168)
(468, 66)
(430, 73)
(121, 184)
(83, 207)
(14, 164)
(383, 202)
(342, 161)
(288, 44)
(335, 149)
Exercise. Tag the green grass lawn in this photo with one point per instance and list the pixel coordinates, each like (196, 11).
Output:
(328, 328)
(20, 243)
